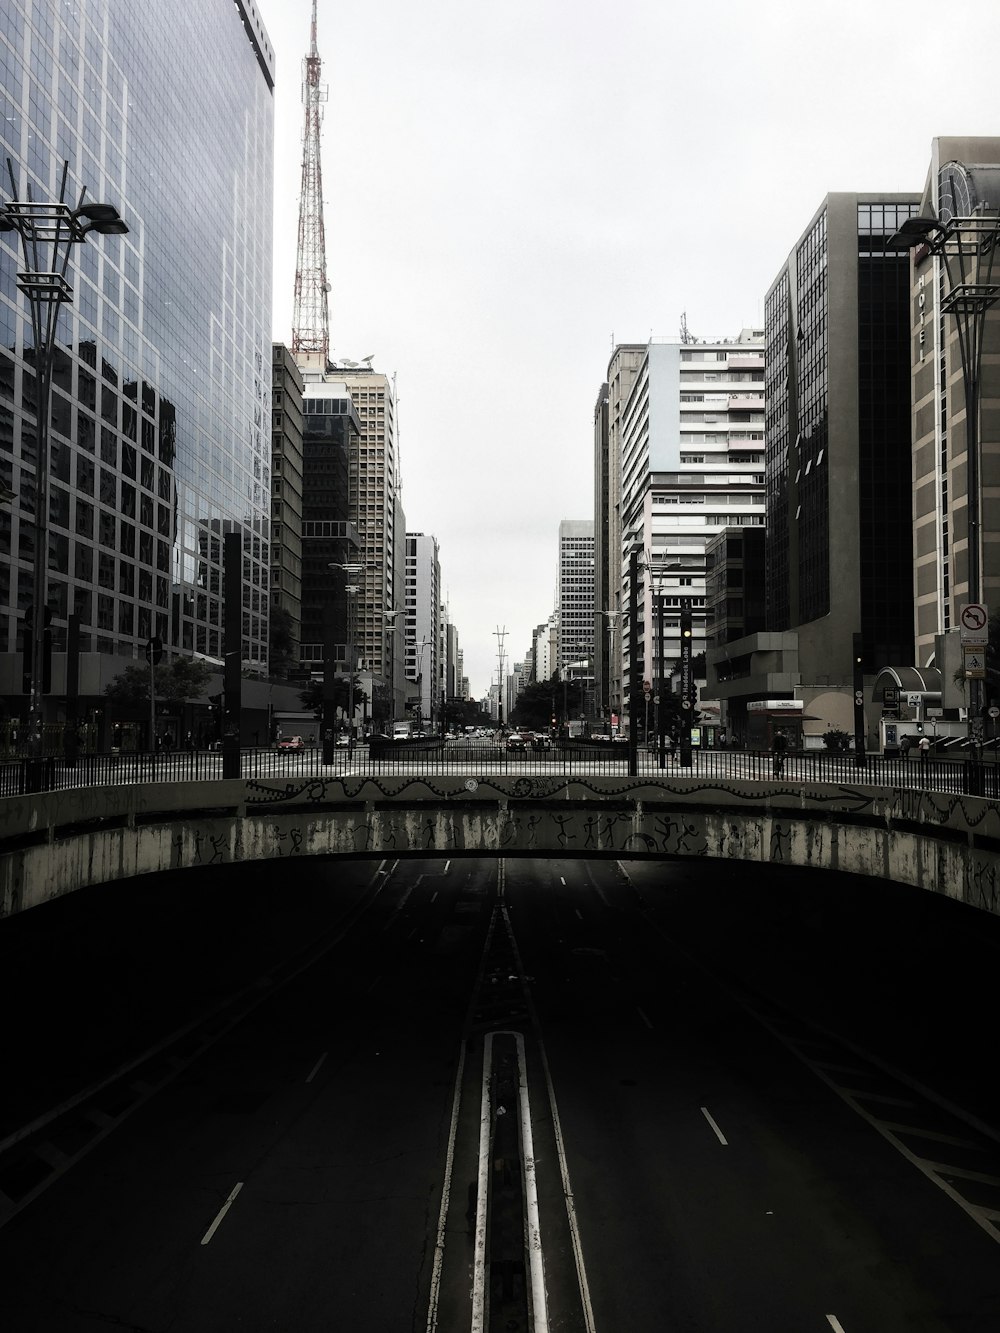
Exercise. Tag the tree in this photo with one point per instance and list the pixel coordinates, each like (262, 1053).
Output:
(311, 695)
(182, 679)
(539, 702)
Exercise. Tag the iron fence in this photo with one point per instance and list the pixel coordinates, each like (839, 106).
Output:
(54, 773)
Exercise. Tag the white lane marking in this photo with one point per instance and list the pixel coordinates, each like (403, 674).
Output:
(447, 866)
(432, 1312)
(482, 1196)
(578, 912)
(571, 1218)
(562, 880)
(718, 1132)
(372, 985)
(221, 1214)
(539, 1310)
(835, 1323)
(644, 1018)
(434, 895)
(316, 1067)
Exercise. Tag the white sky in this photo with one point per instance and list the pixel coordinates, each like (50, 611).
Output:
(511, 187)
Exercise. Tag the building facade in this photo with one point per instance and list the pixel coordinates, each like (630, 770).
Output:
(159, 440)
(422, 635)
(286, 491)
(955, 560)
(838, 469)
(623, 368)
(692, 466)
(576, 593)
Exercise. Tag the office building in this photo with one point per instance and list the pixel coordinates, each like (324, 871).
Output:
(159, 441)
(692, 466)
(838, 470)
(623, 368)
(422, 625)
(576, 592)
(286, 492)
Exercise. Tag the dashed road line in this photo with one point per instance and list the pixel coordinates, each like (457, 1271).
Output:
(718, 1132)
(221, 1213)
(316, 1067)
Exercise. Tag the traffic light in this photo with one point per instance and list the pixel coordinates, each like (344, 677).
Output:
(686, 619)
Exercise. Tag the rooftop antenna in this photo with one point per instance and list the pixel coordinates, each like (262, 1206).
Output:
(686, 335)
(311, 316)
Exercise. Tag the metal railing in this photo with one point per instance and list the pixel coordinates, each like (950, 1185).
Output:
(958, 776)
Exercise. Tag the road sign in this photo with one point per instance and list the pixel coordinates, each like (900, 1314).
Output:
(646, 687)
(974, 620)
(974, 663)
(994, 711)
(154, 650)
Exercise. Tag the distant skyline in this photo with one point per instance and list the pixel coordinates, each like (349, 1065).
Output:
(509, 190)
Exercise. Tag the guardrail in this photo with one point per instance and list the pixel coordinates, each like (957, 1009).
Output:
(19, 777)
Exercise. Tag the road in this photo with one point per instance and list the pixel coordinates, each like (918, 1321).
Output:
(711, 1099)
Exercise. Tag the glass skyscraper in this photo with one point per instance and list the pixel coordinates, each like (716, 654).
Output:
(160, 416)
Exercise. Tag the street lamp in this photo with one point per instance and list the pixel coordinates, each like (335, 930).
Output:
(352, 590)
(47, 232)
(967, 247)
(613, 618)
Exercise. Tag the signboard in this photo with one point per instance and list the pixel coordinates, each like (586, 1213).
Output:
(774, 705)
(974, 662)
(974, 620)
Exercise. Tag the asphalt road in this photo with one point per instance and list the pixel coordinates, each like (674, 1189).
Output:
(742, 1102)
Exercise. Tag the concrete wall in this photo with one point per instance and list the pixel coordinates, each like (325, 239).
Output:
(54, 844)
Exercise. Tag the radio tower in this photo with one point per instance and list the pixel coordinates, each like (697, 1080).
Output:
(311, 316)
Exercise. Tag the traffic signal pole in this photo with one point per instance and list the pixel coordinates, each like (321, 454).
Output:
(687, 683)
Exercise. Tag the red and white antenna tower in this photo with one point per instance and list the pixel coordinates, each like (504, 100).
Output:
(311, 316)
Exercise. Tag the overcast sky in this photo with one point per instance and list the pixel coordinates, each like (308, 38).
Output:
(511, 188)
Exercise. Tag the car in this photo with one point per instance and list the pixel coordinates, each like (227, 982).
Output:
(291, 743)
(343, 739)
(515, 741)
(540, 741)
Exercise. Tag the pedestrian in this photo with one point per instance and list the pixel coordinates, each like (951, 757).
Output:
(924, 748)
(904, 747)
(779, 745)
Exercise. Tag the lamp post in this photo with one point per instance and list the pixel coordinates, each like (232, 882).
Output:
(390, 631)
(47, 232)
(613, 618)
(352, 590)
(966, 245)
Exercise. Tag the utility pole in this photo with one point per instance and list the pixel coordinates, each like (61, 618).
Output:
(500, 634)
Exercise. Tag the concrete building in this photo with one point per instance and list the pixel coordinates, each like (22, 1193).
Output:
(692, 466)
(161, 402)
(576, 592)
(422, 634)
(838, 471)
(286, 490)
(623, 368)
(376, 535)
(330, 425)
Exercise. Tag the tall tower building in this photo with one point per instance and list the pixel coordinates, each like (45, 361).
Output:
(160, 412)
(374, 537)
(423, 620)
(609, 606)
(286, 492)
(838, 467)
(692, 465)
(576, 594)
